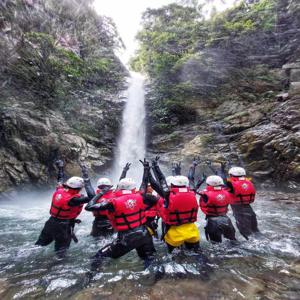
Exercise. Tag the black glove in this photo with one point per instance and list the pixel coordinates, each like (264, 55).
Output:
(127, 166)
(155, 161)
(145, 163)
(223, 166)
(59, 163)
(178, 168)
(208, 162)
(196, 161)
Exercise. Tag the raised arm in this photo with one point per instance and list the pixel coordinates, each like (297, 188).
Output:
(60, 174)
(87, 182)
(159, 175)
(156, 186)
(162, 181)
(222, 172)
(191, 173)
(200, 182)
(125, 170)
(145, 180)
(208, 163)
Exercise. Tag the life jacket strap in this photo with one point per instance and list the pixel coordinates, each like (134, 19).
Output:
(248, 198)
(127, 222)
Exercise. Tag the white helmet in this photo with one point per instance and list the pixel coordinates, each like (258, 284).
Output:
(126, 184)
(237, 171)
(214, 180)
(74, 183)
(104, 181)
(169, 180)
(180, 180)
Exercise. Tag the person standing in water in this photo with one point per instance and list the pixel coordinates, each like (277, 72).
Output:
(179, 211)
(66, 205)
(243, 194)
(101, 224)
(126, 212)
(214, 201)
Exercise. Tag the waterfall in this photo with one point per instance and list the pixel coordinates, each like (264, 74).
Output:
(131, 143)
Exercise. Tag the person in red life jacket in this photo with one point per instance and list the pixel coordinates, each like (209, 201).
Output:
(67, 204)
(243, 194)
(126, 212)
(101, 224)
(152, 212)
(179, 211)
(214, 201)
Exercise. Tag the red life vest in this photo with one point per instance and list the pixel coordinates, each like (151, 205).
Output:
(153, 211)
(243, 190)
(59, 206)
(160, 205)
(108, 195)
(218, 201)
(129, 210)
(182, 208)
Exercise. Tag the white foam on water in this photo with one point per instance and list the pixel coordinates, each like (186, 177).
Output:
(59, 284)
(24, 292)
(285, 247)
(191, 269)
(116, 278)
(174, 268)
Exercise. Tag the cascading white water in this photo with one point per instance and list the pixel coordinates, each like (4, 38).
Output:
(131, 144)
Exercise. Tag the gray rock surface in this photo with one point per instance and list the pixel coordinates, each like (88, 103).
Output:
(32, 139)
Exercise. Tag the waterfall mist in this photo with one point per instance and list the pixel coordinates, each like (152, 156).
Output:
(131, 143)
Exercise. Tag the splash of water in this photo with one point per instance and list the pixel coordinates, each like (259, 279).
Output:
(131, 144)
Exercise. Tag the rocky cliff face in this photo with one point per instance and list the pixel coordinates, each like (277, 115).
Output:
(264, 138)
(226, 89)
(61, 90)
(32, 139)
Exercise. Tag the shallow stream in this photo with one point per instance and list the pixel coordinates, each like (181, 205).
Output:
(265, 267)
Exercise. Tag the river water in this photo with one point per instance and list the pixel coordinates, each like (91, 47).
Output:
(265, 267)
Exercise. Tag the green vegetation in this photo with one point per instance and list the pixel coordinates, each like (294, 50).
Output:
(57, 49)
(229, 56)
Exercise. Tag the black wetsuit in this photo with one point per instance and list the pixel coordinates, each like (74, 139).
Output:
(244, 215)
(138, 238)
(217, 226)
(61, 231)
(163, 190)
(101, 224)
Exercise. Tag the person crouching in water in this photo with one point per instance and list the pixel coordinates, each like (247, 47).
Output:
(179, 211)
(214, 201)
(101, 224)
(243, 194)
(67, 204)
(126, 212)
